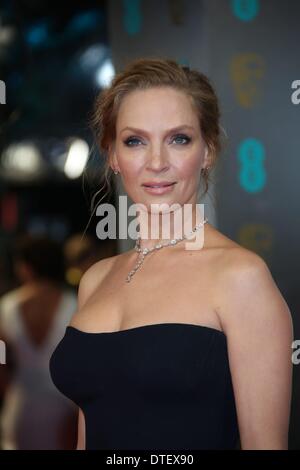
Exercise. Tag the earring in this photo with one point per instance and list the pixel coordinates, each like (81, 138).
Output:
(205, 170)
(116, 172)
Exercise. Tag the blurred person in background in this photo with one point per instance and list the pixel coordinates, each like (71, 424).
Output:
(80, 253)
(33, 318)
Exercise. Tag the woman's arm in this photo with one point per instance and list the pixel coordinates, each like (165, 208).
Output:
(259, 332)
(81, 431)
(88, 284)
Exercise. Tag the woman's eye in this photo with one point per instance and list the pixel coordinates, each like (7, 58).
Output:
(129, 141)
(180, 138)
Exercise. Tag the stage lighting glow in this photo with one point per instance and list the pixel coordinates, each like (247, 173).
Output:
(105, 74)
(77, 158)
(37, 33)
(23, 158)
(92, 57)
(7, 34)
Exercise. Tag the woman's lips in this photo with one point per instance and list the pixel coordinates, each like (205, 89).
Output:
(159, 189)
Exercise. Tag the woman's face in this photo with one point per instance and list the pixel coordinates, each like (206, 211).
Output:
(158, 140)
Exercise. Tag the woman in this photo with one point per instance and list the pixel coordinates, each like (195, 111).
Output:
(33, 318)
(193, 351)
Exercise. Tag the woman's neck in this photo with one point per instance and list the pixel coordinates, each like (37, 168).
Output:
(162, 228)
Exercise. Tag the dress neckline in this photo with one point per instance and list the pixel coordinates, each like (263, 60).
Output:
(148, 326)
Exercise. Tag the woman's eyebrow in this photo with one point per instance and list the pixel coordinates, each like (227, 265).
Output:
(174, 129)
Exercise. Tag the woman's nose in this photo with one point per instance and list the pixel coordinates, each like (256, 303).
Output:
(157, 160)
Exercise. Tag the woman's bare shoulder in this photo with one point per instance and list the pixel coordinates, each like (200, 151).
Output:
(93, 277)
(244, 283)
(233, 263)
(89, 284)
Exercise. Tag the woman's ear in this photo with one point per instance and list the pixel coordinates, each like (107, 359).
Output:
(112, 158)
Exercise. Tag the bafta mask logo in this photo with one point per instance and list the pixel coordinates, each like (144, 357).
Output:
(257, 237)
(295, 97)
(2, 352)
(247, 71)
(2, 92)
(177, 11)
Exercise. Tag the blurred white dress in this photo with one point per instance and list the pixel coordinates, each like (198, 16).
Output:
(34, 410)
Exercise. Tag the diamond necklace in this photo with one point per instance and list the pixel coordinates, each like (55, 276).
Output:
(158, 246)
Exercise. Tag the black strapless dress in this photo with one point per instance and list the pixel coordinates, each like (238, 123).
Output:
(152, 387)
